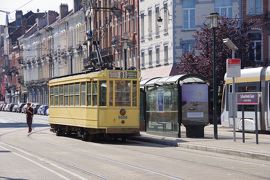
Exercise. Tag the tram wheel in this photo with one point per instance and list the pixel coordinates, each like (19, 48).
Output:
(58, 132)
(124, 139)
(85, 136)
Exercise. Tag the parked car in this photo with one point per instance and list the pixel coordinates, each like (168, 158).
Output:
(47, 112)
(35, 107)
(42, 109)
(19, 109)
(9, 107)
(24, 108)
(6, 107)
(15, 107)
(2, 107)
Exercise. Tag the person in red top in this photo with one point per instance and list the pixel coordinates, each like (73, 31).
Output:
(29, 116)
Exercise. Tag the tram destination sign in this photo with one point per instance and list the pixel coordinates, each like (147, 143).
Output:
(248, 98)
(123, 74)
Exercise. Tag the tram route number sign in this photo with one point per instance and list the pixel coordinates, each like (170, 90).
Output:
(233, 67)
(247, 98)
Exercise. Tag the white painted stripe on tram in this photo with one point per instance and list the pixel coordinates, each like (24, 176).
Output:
(45, 161)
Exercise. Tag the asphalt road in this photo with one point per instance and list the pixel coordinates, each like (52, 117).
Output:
(42, 155)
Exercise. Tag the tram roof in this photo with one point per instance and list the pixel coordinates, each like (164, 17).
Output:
(181, 79)
(247, 75)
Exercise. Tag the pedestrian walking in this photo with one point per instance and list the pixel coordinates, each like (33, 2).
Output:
(29, 116)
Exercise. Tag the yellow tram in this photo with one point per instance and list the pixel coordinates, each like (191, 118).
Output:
(95, 104)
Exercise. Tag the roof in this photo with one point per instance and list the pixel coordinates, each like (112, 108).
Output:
(181, 79)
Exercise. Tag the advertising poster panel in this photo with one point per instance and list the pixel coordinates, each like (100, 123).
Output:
(195, 104)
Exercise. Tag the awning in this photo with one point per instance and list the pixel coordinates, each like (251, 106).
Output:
(161, 71)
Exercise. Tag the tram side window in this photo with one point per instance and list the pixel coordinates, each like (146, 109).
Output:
(89, 94)
(94, 93)
(51, 96)
(77, 93)
(71, 94)
(134, 93)
(61, 96)
(111, 93)
(83, 87)
(102, 93)
(122, 93)
(66, 95)
(56, 94)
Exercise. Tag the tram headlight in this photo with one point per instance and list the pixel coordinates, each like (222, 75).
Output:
(122, 112)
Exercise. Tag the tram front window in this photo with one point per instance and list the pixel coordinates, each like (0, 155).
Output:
(122, 93)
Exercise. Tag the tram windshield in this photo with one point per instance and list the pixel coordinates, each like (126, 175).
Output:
(122, 93)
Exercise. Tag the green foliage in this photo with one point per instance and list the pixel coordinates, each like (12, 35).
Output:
(200, 62)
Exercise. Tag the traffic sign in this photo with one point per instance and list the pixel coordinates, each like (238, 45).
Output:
(233, 67)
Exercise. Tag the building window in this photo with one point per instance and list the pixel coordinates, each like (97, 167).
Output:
(187, 46)
(150, 57)
(150, 23)
(142, 26)
(255, 47)
(166, 54)
(224, 7)
(166, 17)
(156, 17)
(143, 60)
(189, 14)
(157, 56)
(255, 7)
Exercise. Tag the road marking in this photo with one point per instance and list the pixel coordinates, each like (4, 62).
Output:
(43, 160)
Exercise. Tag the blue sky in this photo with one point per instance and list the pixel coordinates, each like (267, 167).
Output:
(33, 5)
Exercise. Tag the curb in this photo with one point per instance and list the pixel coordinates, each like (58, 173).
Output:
(162, 141)
(178, 143)
(226, 151)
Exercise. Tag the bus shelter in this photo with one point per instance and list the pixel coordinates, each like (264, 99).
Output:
(171, 101)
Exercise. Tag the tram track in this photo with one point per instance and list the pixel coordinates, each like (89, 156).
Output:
(123, 164)
(53, 162)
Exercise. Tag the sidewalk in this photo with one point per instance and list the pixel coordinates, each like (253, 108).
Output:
(224, 144)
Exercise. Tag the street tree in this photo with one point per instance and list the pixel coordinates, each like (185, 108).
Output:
(199, 61)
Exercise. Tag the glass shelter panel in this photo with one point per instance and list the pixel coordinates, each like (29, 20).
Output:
(161, 110)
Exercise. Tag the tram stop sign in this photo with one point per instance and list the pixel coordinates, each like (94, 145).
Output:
(233, 67)
(248, 98)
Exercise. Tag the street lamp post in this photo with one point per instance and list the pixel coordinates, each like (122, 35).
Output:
(213, 25)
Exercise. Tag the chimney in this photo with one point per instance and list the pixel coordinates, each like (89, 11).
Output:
(63, 10)
(19, 15)
(51, 17)
(77, 5)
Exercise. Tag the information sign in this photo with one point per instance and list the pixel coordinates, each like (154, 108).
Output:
(233, 67)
